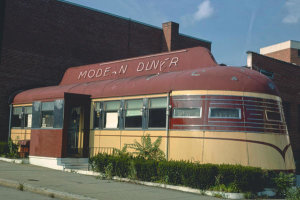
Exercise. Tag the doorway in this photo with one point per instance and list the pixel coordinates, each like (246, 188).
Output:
(75, 142)
(76, 125)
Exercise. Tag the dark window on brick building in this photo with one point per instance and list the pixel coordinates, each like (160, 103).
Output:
(298, 52)
(267, 73)
(298, 119)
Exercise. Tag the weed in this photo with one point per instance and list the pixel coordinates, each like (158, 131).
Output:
(21, 187)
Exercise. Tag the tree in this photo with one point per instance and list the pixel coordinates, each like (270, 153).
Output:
(148, 150)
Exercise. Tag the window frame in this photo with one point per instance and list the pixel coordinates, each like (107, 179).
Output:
(22, 126)
(210, 117)
(186, 117)
(103, 113)
(22, 119)
(148, 112)
(142, 114)
(41, 115)
(272, 120)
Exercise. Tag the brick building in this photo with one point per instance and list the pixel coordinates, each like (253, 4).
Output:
(40, 39)
(281, 62)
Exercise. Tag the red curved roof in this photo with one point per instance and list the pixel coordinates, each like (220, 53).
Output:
(202, 78)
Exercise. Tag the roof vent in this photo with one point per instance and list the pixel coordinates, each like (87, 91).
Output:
(195, 74)
(271, 85)
(152, 76)
(234, 78)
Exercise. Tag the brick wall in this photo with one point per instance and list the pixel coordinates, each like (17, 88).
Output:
(287, 55)
(295, 56)
(42, 38)
(284, 55)
(286, 78)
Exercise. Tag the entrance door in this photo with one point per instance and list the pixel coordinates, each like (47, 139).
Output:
(76, 125)
(74, 143)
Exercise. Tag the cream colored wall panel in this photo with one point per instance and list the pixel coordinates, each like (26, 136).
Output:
(265, 157)
(289, 159)
(186, 145)
(189, 149)
(226, 149)
(225, 152)
(278, 140)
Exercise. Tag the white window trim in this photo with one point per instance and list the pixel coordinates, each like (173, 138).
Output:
(209, 114)
(271, 120)
(181, 117)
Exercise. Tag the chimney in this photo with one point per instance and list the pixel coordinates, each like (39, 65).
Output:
(171, 32)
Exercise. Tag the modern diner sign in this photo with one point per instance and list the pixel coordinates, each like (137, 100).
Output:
(180, 60)
(152, 66)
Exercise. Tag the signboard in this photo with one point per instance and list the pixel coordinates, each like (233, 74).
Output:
(140, 66)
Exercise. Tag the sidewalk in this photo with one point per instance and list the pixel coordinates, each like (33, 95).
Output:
(76, 186)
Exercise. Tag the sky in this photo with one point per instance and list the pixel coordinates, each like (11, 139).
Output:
(233, 26)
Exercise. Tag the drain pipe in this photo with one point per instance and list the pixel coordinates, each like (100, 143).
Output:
(9, 123)
(167, 125)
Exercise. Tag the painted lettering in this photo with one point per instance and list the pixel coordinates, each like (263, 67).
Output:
(174, 61)
(107, 69)
(154, 65)
(123, 69)
(99, 73)
(148, 66)
(161, 66)
(82, 74)
(140, 67)
(91, 73)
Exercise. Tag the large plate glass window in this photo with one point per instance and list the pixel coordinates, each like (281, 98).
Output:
(273, 116)
(187, 112)
(133, 113)
(16, 119)
(226, 113)
(47, 114)
(111, 114)
(157, 113)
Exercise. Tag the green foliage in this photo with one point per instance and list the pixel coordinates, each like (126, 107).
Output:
(283, 183)
(4, 148)
(108, 171)
(241, 178)
(293, 194)
(13, 150)
(146, 170)
(148, 150)
(120, 164)
(229, 178)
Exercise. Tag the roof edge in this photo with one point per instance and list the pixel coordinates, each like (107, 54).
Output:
(281, 61)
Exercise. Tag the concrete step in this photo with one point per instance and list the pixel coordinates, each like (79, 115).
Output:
(73, 166)
(75, 163)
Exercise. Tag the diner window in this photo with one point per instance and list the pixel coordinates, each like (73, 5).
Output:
(97, 115)
(273, 116)
(187, 112)
(111, 114)
(16, 118)
(157, 113)
(27, 116)
(230, 113)
(47, 114)
(133, 113)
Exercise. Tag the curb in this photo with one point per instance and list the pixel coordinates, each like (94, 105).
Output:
(226, 195)
(41, 190)
(17, 161)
